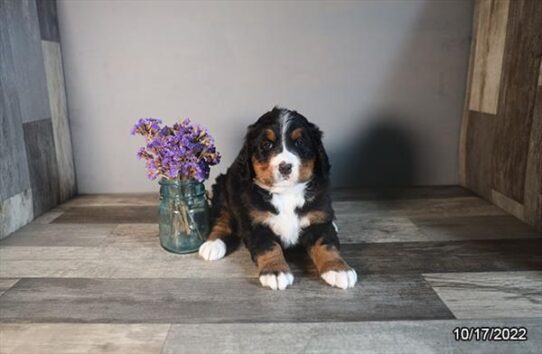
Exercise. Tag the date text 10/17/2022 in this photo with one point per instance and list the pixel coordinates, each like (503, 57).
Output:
(493, 334)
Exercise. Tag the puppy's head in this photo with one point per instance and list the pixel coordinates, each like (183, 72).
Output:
(284, 149)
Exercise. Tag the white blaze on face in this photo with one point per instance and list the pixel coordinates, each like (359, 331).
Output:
(287, 194)
(287, 157)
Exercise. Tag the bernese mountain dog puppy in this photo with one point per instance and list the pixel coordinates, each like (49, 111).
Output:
(274, 196)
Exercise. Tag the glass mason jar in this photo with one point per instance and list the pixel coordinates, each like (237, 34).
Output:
(184, 215)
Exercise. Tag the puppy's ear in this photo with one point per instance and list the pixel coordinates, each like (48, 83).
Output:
(243, 160)
(322, 166)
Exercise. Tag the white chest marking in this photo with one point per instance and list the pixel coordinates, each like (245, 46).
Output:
(286, 224)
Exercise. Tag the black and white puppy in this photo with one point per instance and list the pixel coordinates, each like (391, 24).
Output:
(276, 195)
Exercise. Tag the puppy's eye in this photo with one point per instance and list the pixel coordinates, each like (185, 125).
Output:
(267, 145)
(300, 142)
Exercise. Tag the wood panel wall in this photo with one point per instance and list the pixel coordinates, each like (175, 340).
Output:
(501, 137)
(36, 161)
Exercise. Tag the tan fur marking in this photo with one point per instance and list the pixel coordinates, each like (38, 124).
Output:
(326, 258)
(221, 227)
(270, 135)
(317, 217)
(272, 261)
(259, 216)
(306, 170)
(296, 134)
(264, 173)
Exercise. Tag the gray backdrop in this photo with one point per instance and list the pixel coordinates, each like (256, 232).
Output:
(385, 80)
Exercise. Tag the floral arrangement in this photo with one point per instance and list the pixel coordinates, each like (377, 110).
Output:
(183, 151)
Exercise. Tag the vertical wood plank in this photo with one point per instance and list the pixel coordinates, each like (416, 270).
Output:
(489, 51)
(15, 212)
(47, 16)
(21, 21)
(59, 117)
(517, 98)
(14, 177)
(42, 164)
(479, 146)
(533, 175)
(462, 153)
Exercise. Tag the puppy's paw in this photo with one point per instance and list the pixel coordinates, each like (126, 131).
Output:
(278, 281)
(212, 250)
(341, 278)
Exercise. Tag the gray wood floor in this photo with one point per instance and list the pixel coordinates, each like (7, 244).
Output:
(90, 277)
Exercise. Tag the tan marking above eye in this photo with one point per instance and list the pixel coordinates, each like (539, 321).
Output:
(296, 134)
(270, 135)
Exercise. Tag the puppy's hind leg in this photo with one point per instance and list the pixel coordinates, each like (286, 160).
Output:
(221, 240)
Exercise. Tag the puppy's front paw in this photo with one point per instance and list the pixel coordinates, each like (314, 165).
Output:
(341, 278)
(212, 250)
(278, 281)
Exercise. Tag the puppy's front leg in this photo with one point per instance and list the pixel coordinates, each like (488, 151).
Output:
(267, 254)
(322, 245)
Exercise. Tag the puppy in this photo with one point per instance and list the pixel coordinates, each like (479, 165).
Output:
(274, 196)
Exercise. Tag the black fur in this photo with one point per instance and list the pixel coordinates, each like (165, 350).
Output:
(236, 192)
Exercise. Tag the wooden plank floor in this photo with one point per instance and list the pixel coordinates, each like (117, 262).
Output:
(90, 277)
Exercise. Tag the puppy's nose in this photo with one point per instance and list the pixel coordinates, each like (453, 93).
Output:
(285, 168)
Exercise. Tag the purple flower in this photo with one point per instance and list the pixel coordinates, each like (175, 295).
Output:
(183, 151)
(146, 126)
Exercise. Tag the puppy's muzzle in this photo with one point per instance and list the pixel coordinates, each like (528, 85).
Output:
(285, 169)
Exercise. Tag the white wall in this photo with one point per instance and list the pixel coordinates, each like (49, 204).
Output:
(384, 80)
